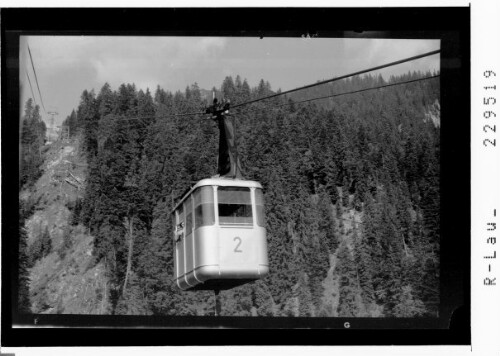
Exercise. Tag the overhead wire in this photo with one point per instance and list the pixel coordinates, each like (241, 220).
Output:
(36, 79)
(404, 60)
(31, 87)
(298, 102)
(340, 77)
(301, 101)
(350, 92)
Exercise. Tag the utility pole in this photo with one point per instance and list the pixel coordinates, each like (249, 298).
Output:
(52, 114)
(51, 132)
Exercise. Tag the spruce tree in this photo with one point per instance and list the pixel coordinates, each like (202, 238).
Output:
(46, 242)
(23, 295)
(348, 306)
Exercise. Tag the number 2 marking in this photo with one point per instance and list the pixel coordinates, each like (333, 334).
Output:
(238, 245)
(494, 128)
(493, 143)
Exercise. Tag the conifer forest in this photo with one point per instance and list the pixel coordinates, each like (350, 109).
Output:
(351, 187)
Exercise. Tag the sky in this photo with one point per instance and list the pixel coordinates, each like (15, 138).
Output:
(67, 65)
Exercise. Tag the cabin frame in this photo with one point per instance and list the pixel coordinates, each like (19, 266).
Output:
(219, 235)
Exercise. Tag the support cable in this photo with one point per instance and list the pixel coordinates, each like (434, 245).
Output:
(313, 85)
(36, 79)
(29, 81)
(339, 78)
(350, 92)
(404, 60)
(295, 102)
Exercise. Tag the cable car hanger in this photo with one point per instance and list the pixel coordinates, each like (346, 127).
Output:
(219, 225)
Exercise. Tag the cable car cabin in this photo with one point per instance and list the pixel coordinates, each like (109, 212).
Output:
(220, 235)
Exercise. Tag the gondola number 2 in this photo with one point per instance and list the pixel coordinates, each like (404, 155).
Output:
(236, 249)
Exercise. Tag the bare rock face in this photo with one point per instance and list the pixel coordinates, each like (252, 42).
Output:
(433, 113)
(65, 280)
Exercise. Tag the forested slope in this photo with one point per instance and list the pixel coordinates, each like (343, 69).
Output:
(351, 188)
(57, 270)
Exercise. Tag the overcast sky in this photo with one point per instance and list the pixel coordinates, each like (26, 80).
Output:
(65, 66)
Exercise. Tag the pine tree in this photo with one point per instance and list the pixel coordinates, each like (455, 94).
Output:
(245, 91)
(228, 88)
(23, 295)
(408, 306)
(32, 141)
(46, 242)
(133, 301)
(327, 222)
(41, 247)
(106, 101)
(71, 123)
(88, 121)
(345, 193)
(348, 306)
(262, 299)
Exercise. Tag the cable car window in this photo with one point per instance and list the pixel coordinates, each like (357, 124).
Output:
(188, 207)
(179, 228)
(174, 223)
(180, 211)
(204, 213)
(259, 205)
(235, 205)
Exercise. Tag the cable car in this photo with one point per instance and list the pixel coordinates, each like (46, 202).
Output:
(220, 235)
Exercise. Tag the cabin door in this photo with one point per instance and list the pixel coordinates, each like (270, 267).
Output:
(237, 247)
